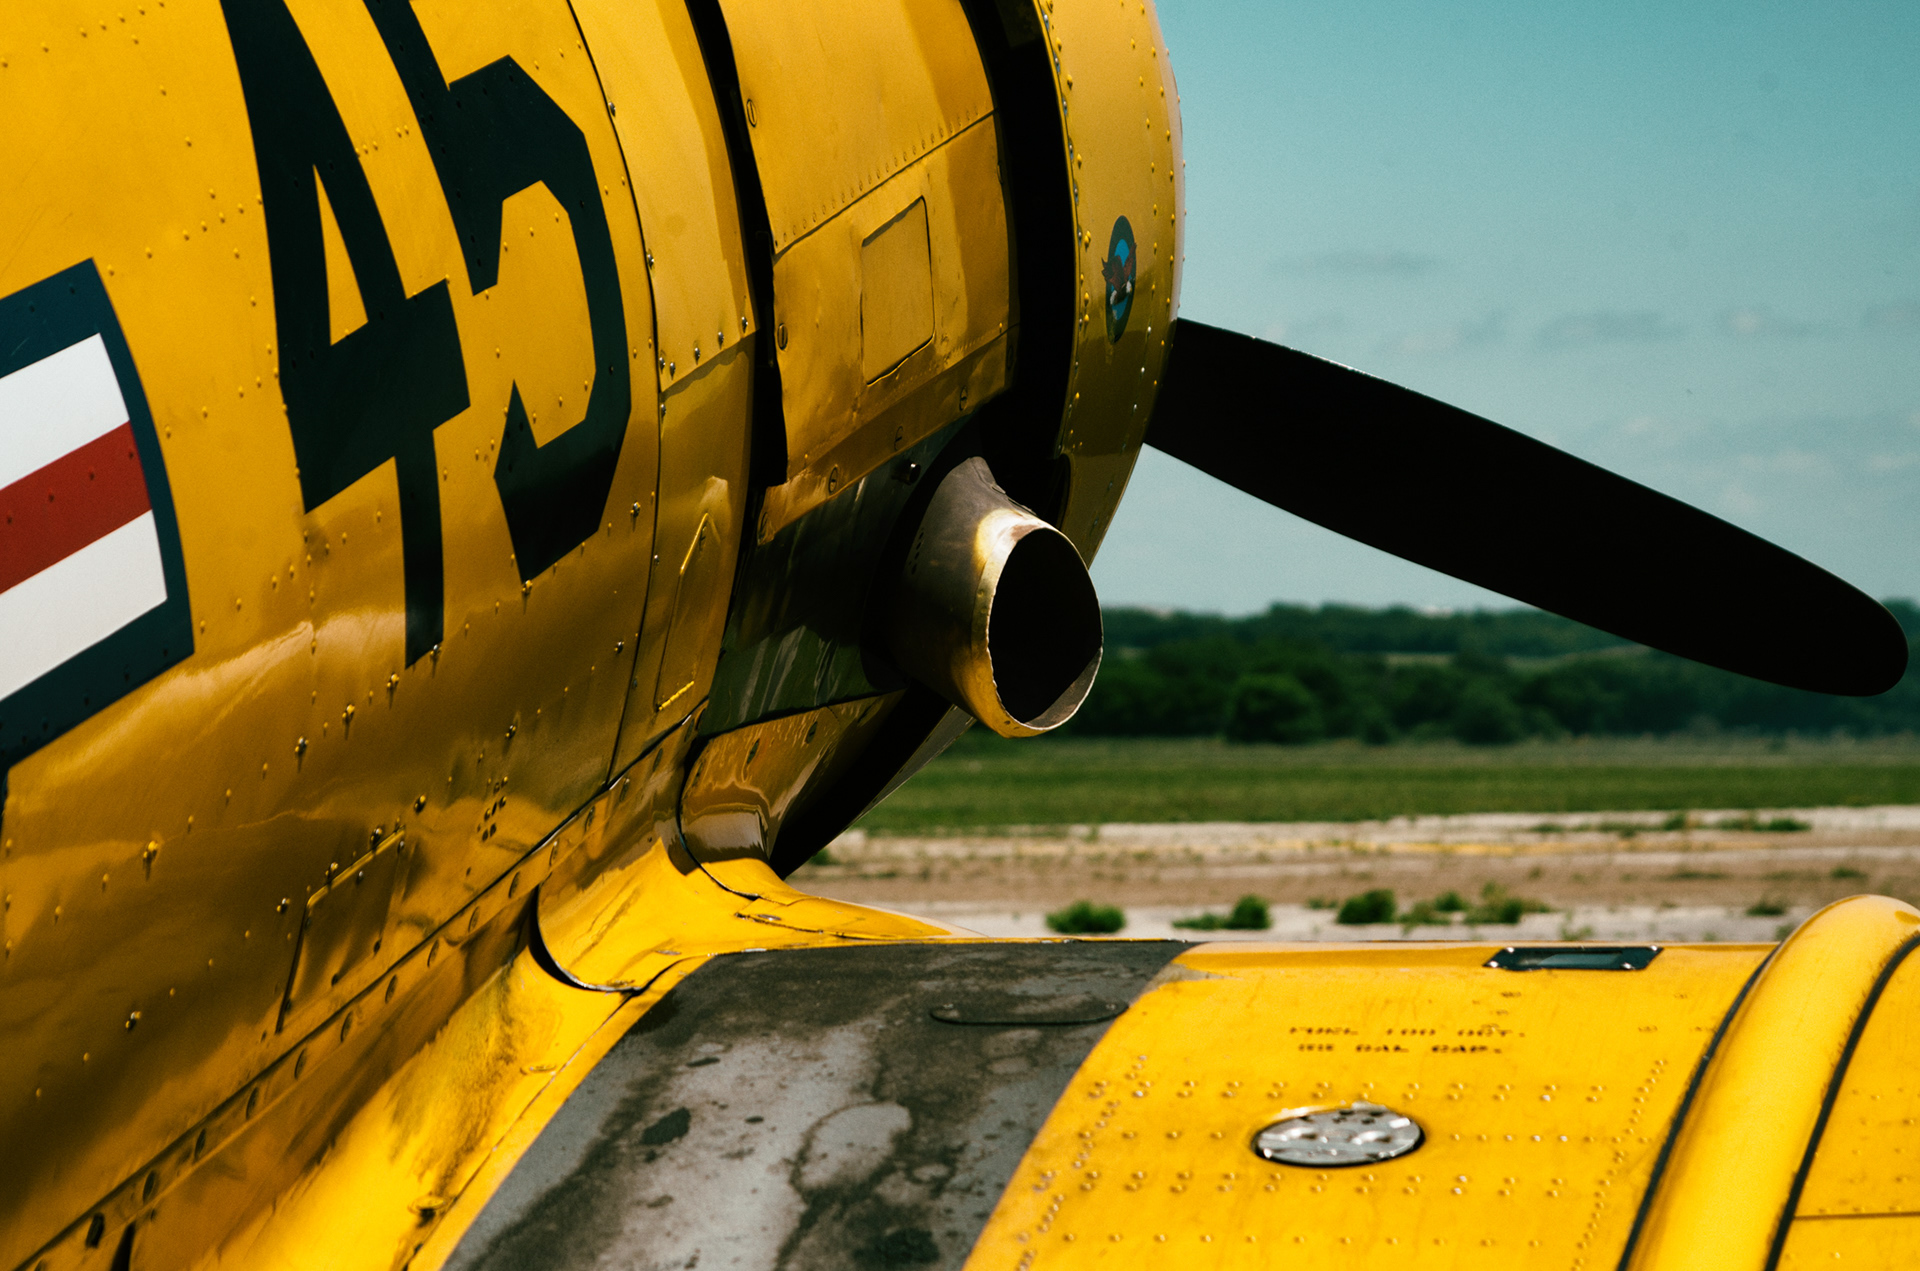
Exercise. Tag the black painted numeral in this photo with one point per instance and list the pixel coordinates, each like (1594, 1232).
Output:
(492, 134)
(380, 392)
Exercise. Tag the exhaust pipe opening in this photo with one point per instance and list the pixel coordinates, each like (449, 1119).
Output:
(1043, 630)
(994, 609)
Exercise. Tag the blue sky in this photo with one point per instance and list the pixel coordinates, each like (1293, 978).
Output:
(1679, 239)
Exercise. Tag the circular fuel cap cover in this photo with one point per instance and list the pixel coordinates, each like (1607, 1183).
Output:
(1354, 1134)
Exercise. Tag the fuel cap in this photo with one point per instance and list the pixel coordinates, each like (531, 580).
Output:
(1356, 1133)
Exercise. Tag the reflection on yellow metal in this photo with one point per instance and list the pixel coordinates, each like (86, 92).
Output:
(223, 1172)
(663, 111)
(890, 236)
(746, 783)
(1868, 1157)
(701, 510)
(1887, 1242)
(1545, 1098)
(205, 809)
(1120, 112)
(1729, 1181)
(1860, 1203)
(382, 1181)
(666, 907)
(460, 1210)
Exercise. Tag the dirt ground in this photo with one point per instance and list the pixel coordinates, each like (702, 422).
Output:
(1597, 873)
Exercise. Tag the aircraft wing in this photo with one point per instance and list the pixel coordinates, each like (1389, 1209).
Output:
(764, 1078)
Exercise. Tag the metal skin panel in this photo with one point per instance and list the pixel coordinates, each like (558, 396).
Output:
(841, 423)
(1868, 1158)
(669, 127)
(805, 1110)
(663, 109)
(344, 928)
(363, 1154)
(1119, 111)
(896, 292)
(1858, 1201)
(1729, 1184)
(904, 79)
(661, 906)
(1883, 1243)
(703, 488)
(1545, 1098)
(746, 783)
(254, 1154)
(202, 809)
(909, 120)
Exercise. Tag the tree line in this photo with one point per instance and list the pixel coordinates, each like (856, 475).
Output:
(1297, 674)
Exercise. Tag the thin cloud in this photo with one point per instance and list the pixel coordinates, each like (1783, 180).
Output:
(1303, 330)
(1452, 338)
(1354, 264)
(1753, 322)
(1607, 326)
(1904, 314)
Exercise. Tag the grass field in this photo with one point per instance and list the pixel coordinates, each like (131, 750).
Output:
(985, 782)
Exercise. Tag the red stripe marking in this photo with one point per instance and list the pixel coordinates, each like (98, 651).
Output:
(84, 495)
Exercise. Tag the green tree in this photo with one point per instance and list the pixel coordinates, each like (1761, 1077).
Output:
(1486, 716)
(1273, 708)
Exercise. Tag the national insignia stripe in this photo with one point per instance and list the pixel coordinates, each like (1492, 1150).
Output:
(79, 602)
(79, 547)
(82, 496)
(56, 405)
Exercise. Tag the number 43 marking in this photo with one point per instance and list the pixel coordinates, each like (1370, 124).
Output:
(380, 392)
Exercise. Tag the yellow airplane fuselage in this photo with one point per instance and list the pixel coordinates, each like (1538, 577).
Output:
(438, 338)
(453, 460)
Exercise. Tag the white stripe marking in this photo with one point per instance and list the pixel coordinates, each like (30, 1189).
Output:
(55, 405)
(72, 605)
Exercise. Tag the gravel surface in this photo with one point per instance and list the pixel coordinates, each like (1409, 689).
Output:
(1603, 876)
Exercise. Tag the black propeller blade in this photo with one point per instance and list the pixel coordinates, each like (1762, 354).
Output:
(1463, 495)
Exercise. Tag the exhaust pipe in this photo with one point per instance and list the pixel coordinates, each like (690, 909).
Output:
(994, 610)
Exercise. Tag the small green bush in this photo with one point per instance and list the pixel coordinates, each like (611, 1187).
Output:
(1775, 825)
(1846, 872)
(1083, 917)
(1766, 907)
(1425, 913)
(1374, 906)
(1498, 907)
(1449, 902)
(1249, 914)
